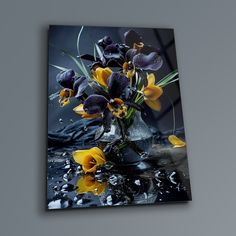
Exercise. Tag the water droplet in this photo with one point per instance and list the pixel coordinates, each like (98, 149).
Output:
(56, 189)
(144, 155)
(116, 179)
(67, 188)
(145, 195)
(79, 202)
(54, 204)
(78, 170)
(108, 165)
(64, 154)
(172, 177)
(68, 176)
(66, 167)
(137, 182)
(71, 121)
(66, 203)
(109, 200)
(61, 120)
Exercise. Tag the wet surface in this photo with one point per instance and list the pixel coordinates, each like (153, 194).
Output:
(161, 176)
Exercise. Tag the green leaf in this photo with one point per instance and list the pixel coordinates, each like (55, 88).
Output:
(78, 40)
(63, 69)
(85, 71)
(167, 78)
(59, 67)
(172, 81)
(76, 62)
(94, 52)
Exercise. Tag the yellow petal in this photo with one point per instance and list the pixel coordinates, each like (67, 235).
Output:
(125, 67)
(130, 74)
(85, 159)
(80, 110)
(177, 142)
(101, 75)
(154, 105)
(138, 46)
(66, 93)
(151, 79)
(89, 159)
(152, 92)
(117, 108)
(98, 155)
(64, 101)
(88, 183)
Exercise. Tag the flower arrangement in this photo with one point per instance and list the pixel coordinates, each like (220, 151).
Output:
(118, 84)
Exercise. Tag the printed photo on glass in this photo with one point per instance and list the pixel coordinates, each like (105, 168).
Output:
(115, 125)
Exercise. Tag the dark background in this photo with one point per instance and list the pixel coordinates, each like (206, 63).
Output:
(205, 38)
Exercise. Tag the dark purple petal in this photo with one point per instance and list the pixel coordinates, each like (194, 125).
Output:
(112, 51)
(79, 86)
(97, 89)
(88, 57)
(95, 104)
(146, 49)
(66, 78)
(151, 61)
(130, 54)
(132, 37)
(105, 41)
(114, 63)
(116, 84)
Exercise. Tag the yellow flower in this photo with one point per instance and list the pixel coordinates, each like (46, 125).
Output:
(80, 110)
(101, 75)
(89, 159)
(177, 142)
(88, 183)
(152, 93)
(117, 108)
(65, 95)
(127, 71)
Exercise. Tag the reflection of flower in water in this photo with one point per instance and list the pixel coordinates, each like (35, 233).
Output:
(89, 159)
(88, 183)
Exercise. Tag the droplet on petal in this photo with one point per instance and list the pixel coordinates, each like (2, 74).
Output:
(151, 61)
(116, 84)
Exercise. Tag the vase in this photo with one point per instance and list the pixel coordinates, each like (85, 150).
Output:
(135, 146)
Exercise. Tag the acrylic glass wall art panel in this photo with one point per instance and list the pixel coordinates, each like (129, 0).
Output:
(115, 125)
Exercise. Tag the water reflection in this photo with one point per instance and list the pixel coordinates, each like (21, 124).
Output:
(149, 182)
